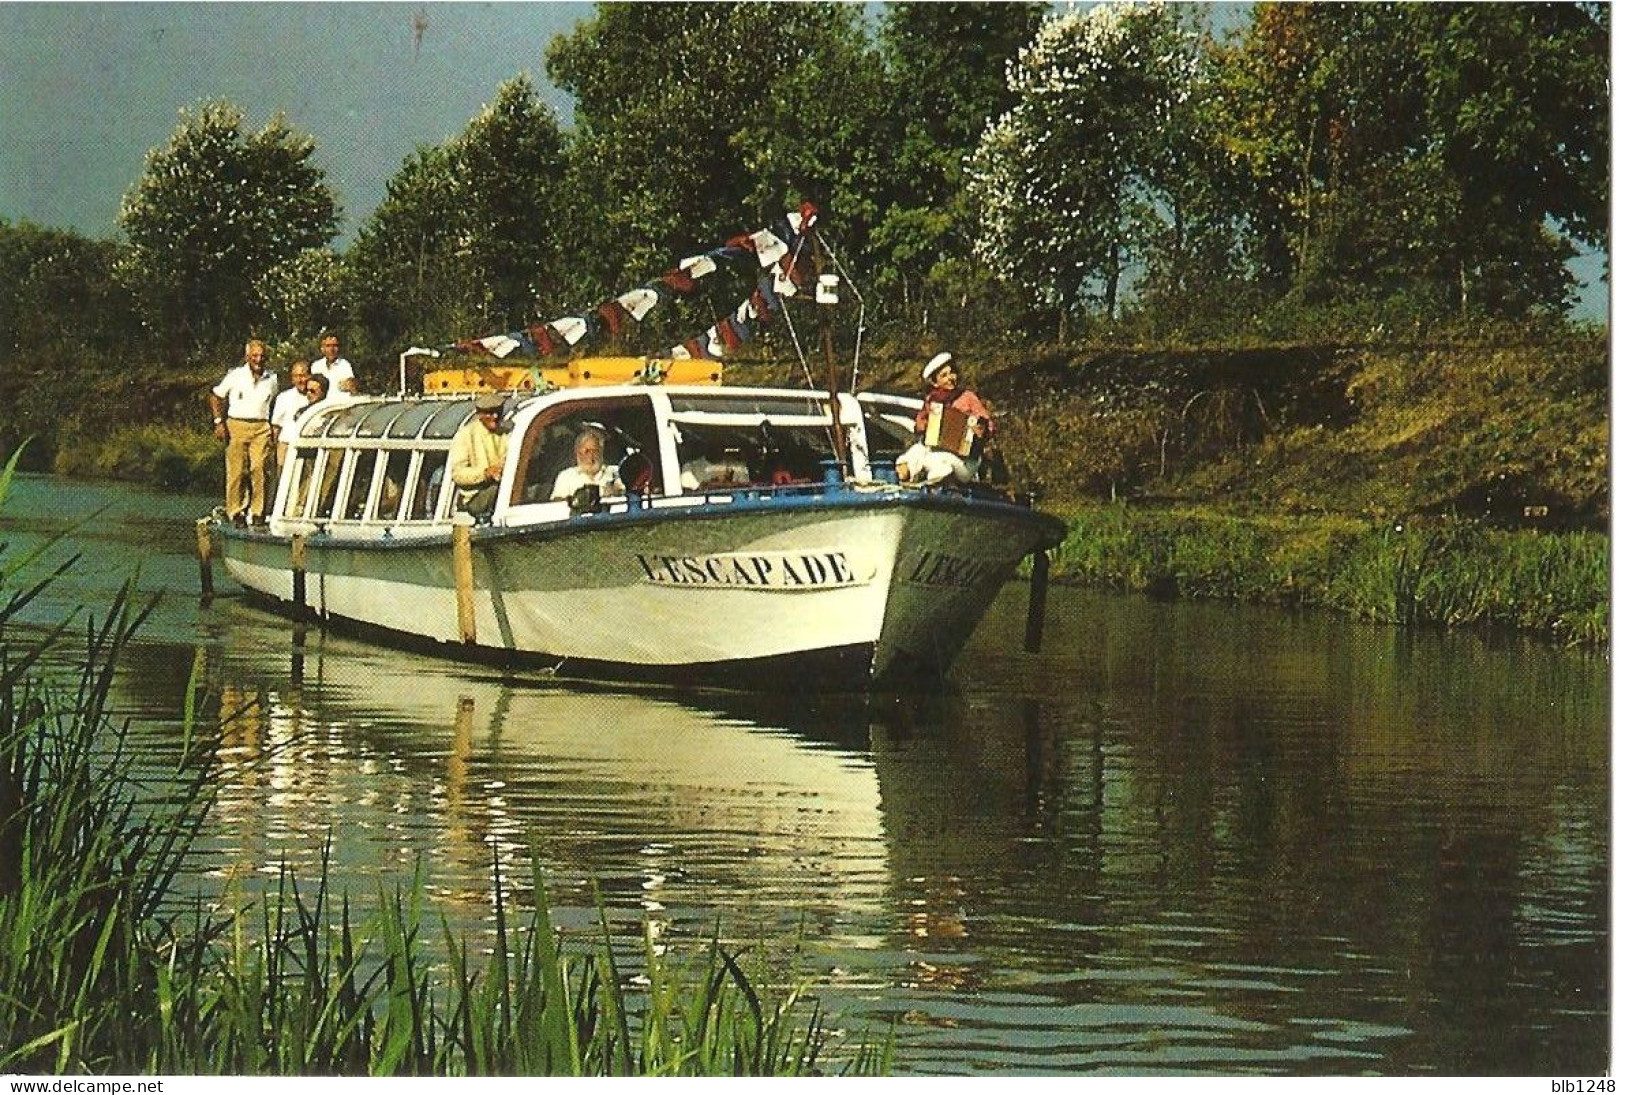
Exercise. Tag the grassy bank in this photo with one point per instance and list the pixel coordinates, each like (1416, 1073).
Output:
(1427, 570)
(108, 968)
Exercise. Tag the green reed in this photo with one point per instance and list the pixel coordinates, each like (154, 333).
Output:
(1429, 571)
(105, 968)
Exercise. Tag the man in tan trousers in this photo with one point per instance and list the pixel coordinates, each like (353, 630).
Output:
(242, 418)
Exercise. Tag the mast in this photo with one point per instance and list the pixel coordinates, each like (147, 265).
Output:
(825, 298)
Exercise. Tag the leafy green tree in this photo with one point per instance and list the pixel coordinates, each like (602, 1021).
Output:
(1440, 152)
(213, 209)
(468, 234)
(945, 64)
(303, 296)
(60, 291)
(407, 278)
(697, 121)
(1072, 184)
(507, 167)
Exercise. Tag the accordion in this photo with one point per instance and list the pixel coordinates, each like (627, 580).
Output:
(948, 429)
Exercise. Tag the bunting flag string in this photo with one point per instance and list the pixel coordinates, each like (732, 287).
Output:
(778, 253)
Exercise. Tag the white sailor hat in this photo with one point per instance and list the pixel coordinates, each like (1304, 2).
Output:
(934, 364)
(489, 401)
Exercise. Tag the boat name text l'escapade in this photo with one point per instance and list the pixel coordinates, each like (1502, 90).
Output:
(787, 570)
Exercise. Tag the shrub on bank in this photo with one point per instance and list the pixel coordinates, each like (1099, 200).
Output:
(168, 457)
(1444, 571)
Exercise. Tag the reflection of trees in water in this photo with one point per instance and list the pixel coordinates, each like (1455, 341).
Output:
(1394, 842)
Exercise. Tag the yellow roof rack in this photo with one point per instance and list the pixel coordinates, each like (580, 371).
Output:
(583, 372)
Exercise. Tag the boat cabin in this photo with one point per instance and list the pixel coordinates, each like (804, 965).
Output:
(376, 468)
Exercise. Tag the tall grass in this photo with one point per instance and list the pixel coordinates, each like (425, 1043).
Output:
(106, 968)
(1435, 571)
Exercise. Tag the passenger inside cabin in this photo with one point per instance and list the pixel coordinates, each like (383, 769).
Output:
(717, 465)
(479, 449)
(589, 469)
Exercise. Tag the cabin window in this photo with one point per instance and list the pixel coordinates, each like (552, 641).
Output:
(889, 432)
(626, 425)
(355, 499)
(343, 422)
(328, 467)
(426, 490)
(716, 456)
(447, 418)
(410, 423)
(294, 504)
(397, 464)
(376, 422)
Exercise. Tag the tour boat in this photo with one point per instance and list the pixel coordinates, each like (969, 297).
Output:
(791, 559)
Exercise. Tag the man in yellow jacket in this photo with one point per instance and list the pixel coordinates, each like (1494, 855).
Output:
(478, 451)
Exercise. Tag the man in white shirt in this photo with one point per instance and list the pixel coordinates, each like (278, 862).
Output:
(589, 470)
(288, 404)
(340, 373)
(242, 418)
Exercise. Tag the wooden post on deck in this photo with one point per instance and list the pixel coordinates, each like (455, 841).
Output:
(296, 561)
(205, 557)
(462, 573)
(1037, 593)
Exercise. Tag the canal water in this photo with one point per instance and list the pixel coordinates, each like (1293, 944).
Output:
(1185, 838)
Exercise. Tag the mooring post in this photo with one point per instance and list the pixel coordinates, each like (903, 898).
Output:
(296, 562)
(462, 573)
(205, 557)
(1037, 592)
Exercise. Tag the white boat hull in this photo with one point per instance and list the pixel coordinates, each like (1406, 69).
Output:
(872, 586)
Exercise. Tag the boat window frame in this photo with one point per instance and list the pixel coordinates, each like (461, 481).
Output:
(533, 425)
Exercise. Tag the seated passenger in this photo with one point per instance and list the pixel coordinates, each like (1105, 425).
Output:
(715, 467)
(479, 449)
(589, 471)
(927, 465)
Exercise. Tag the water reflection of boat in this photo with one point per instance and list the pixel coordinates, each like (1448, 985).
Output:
(638, 792)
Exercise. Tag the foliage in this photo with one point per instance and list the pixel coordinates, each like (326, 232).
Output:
(469, 234)
(699, 121)
(213, 210)
(1445, 572)
(1071, 182)
(1426, 147)
(945, 76)
(303, 296)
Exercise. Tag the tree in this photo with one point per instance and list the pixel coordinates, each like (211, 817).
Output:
(408, 280)
(697, 121)
(1073, 182)
(213, 209)
(302, 297)
(507, 167)
(1437, 151)
(468, 236)
(945, 66)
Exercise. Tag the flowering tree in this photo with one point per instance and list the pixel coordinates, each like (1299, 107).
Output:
(214, 209)
(1072, 183)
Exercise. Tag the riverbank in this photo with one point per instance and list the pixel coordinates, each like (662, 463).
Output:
(1423, 571)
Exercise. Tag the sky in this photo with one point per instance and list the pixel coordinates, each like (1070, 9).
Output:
(86, 89)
